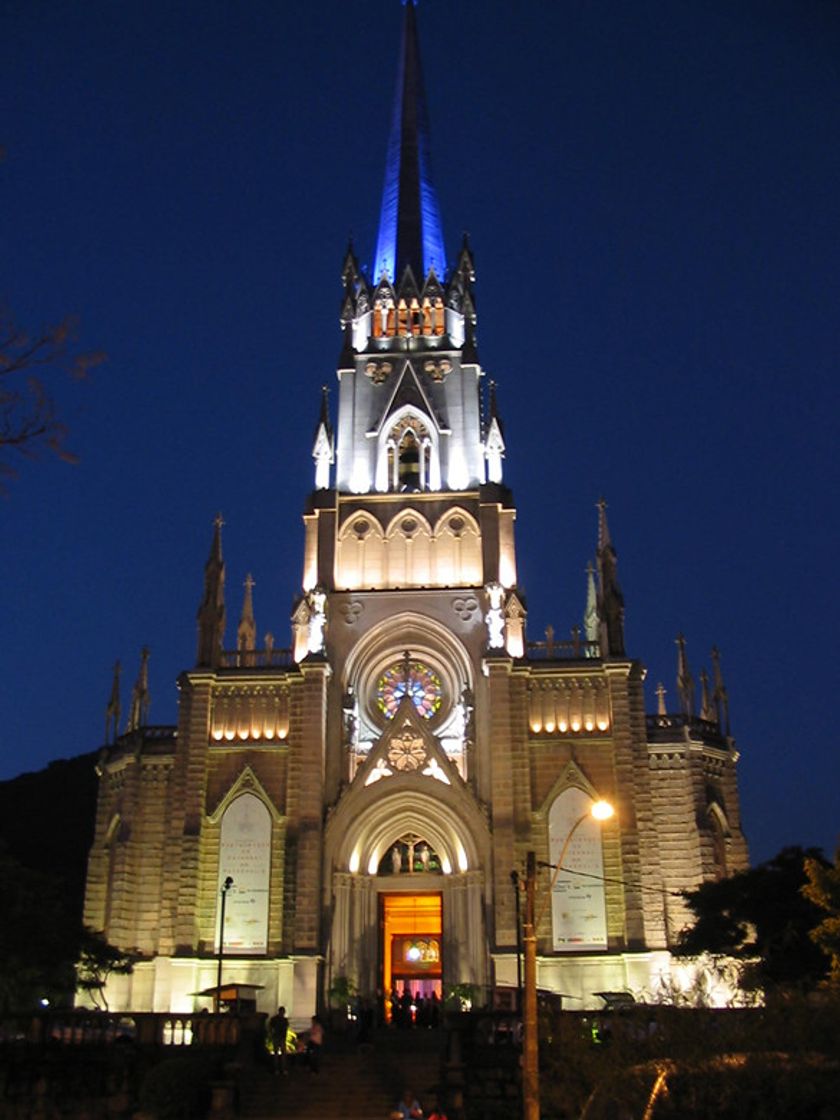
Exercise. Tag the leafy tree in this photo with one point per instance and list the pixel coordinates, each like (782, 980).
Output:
(38, 940)
(98, 960)
(823, 889)
(28, 419)
(762, 918)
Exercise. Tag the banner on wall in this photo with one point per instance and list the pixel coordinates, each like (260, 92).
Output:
(578, 903)
(245, 856)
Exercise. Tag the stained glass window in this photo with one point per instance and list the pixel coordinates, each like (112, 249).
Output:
(418, 680)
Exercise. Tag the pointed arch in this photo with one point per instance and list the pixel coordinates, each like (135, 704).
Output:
(246, 782)
(457, 550)
(360, 553)
(408, 452)
(369, 820)
(408, 550)
(244, 860)
(426, 638)
(575, 846)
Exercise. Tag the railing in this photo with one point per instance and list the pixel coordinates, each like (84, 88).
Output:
(157, 732)
(256, 659)
(572, 650)
(144, 1028)
(658, 723)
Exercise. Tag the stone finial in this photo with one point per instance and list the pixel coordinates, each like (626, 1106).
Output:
(246, 633)
(323, 449)
(590, 614)
(719, 694)
(661, 692)
(112, 710)
(138, 713)
(211, 612)
(685, 682)
(707, 711)
(610, 598)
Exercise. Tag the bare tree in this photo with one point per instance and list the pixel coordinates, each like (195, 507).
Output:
(28, 419)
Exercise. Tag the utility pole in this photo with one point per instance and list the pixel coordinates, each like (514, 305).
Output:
(530, 1048)
(514, 878)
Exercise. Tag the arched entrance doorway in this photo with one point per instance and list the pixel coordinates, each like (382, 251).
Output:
(406, 887)
(411, 955)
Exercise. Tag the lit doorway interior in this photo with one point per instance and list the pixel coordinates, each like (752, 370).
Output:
(412, 959)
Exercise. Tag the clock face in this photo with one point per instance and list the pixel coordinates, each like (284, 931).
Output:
(417, 680)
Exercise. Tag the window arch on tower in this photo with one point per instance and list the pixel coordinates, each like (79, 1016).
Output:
(408, 459)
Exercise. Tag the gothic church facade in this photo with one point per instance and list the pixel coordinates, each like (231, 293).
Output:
(370, 790)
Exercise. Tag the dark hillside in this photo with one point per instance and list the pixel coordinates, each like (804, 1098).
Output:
(47, 821)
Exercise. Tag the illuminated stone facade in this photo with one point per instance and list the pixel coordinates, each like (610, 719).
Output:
(411, 747)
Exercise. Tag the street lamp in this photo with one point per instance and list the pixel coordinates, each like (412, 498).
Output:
(226, 885)
(599, 811)
(514, 878)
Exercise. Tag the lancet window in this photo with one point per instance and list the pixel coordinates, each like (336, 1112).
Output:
(409, 455)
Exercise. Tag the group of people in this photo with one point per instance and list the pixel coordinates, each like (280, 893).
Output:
(409, 1108)
(415, 1010)
(284, 1043)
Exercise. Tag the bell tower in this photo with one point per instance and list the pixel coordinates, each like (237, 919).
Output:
(414, 497)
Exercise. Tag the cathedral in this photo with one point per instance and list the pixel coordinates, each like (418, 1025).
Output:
(355, 811)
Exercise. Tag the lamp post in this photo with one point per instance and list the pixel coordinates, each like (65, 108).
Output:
(226, 885)
(514, 878)
(599, 811)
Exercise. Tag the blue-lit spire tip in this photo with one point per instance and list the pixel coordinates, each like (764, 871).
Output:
(410, 228)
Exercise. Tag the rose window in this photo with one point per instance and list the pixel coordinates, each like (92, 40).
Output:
(412, 678)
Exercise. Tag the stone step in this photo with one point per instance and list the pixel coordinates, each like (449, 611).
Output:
(354, 1083)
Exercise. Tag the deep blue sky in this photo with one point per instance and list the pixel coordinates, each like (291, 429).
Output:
(652, 194)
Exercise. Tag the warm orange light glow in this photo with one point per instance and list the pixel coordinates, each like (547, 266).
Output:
(602, 810)
(412, 914)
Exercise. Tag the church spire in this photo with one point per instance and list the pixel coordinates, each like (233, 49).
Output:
(211, 613)
(138, 713)
(410, 230)
(685, 681)
(610, 598)
(720, 696)
(323, 449)
(590, 614)
(707, 712)
(246, 634)
(494, 442)
(112, 711)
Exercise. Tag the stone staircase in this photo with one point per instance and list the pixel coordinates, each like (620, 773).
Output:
(356, 1082)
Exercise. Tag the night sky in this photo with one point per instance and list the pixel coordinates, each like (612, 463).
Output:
(652, 194)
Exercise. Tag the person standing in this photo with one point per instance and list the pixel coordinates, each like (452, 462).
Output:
(279, 1031)
(314, 1045)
